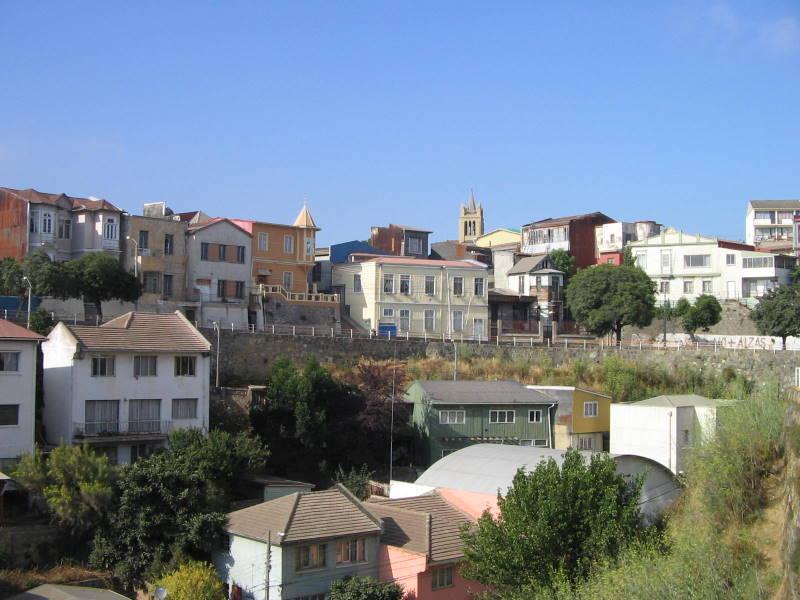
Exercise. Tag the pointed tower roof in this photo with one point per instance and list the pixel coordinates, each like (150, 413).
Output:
(305, 220)
(471, 206)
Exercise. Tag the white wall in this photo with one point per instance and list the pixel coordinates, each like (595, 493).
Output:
(245, 566)
(644, 431)
(18, 387)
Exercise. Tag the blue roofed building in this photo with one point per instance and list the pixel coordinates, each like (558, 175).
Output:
(338, 254)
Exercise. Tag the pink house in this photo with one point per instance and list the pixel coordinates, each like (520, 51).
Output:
(421, 547)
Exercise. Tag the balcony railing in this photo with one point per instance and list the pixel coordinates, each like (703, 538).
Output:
(114, 428)
(279, 290)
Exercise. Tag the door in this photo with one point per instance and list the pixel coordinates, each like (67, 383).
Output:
(478, 329)
(731, 289)
(144, 415)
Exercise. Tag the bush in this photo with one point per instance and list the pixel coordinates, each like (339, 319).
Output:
(364, 588)
(193, 581)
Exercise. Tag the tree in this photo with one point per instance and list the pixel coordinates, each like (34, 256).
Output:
(703, 314)
(99, 277)
(778, 312)
(47, 278)
(41, 321)
(628, 259)
(364, 588)
(555, 522)
(563, 261)
(193, 580)
(172, 504)
(607, 298)
(355, 480)
(11, 283)
(74, 482)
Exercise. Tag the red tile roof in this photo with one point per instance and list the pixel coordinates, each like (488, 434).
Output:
(32, 195)
(11, 331)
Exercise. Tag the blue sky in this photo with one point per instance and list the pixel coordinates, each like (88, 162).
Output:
(382, 112)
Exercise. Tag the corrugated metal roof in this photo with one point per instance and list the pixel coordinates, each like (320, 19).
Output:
(677, 400)
(481, 392)
(552, 221)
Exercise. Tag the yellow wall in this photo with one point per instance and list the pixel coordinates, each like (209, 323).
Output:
(498, 237)
(275, 260)
(600, 423)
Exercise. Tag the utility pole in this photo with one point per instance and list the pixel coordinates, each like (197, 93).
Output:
(267, 566)
(216, 369)
(391, 420)
(30, 293)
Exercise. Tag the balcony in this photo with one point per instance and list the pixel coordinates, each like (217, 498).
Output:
(97, 431)
(310, 297)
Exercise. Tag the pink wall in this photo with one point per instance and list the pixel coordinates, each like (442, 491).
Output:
(472, 503)
(401, 567)
(462, 589)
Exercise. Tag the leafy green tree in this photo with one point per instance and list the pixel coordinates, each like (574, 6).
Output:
(74, 482)
(364, 588)
(628, 259)
(47, 278)
(355, 480)
(703, 314)
(607, 298)
(99, 277)
(682, 306)
(554, 523)
(172, 504)
(563, 261)
(778, 312)
(11, 283)
(193, 580)
(41, 321)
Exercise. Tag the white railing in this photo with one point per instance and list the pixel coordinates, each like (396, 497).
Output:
(112, 428)
(279, 290)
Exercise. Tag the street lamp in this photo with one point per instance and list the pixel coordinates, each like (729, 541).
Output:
(30, 293)
(216, 328)
(135, 255)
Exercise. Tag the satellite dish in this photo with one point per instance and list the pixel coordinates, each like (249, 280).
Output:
(161, 593)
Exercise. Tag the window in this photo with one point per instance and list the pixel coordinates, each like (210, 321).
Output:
(150, 281)
(590, 409)
(405, 284)
(169, 244)
(730, 259)
(47, 222)
(521, 285)
(663, 287)
(757, 262)
(539, 443)
(441, 577)
(707, 287)
(263, 241)
(167, 286)
(585, 443)
(9, 415)
(357, 282)
(666, 261)
(204, 251)
(145, 366)
(110, 231)
(144, 239)
(239, 291)
(34, 225)
(310, 557)
(388, 313)
(688, 287)
(686, 436)
(102, 416)
(458, 320)
(535, 416)
(222, 251)
(609, 261)
(697, 260)
(309, 246)
(388, 284)
(65, 229)
(240, 254)
(502, 416)
(144, 415)
(103, 366)
(351, 551)
(430, 320)
(479, 286)
(641, 260)
(288, 244)
(458, 286)
(404, 322)
(452, 417)
(430, 285)
(288, 280)
(221, 285)
(184, 408)
(414, 245)
(9, 362)
(185, 366)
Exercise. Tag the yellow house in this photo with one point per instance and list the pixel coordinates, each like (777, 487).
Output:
(583, 417)
(500, 236)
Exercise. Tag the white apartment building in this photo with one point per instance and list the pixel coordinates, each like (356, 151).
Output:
(687, 266)
(123, 386)
(773, 224)
(664, 428)
(611, 238)
(395, 295)
(18, 398)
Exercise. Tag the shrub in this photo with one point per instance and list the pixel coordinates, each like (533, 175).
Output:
(193, 581)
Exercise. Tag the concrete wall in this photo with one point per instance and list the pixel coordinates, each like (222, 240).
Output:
(18, 387)
(245, 566)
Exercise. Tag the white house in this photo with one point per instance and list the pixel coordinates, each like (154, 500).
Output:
(18, 396)
(397, 295)
(773, 224)
(688, 265)
(664, 428)
(123, 386)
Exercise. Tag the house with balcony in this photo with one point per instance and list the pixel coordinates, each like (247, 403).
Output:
(123, 386)
(398, 296)
(689, 265)
(773, 225)
(611, 239)
(574, 234)
(219, 271)
(18, 399)
(401, 240)
(295, 546)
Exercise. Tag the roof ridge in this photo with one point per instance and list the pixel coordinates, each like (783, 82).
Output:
(358, 504)
(195, 331)
(292, 512)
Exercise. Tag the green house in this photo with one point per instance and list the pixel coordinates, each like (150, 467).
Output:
(450, 415)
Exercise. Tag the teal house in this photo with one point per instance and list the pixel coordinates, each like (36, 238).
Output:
(450, 415)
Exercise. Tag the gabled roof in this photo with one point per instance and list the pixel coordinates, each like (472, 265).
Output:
(141, 332)
(528, 264)
(50, 591)
(305, 517)
(215, 221)
(481, 392)
(423, 524)
(76, 203)
(12, 331)
(678, 400)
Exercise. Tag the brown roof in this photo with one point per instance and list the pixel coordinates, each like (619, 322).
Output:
(12, 331)
(305, 517)
(214, 221)
(595, 216)
(32, 195)
(440, 530)
(143, 332)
